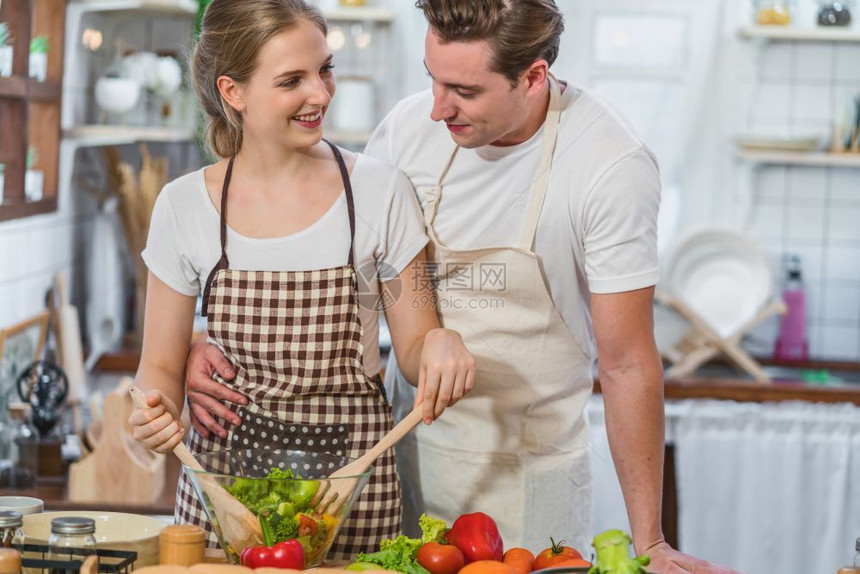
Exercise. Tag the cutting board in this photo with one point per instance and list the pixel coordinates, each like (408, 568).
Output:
(118, 469)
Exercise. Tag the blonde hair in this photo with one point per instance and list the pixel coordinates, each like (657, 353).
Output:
(231, 37)
(519, 32)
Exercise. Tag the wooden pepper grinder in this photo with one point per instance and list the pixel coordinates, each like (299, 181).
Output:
(10, 561)
(181, 545)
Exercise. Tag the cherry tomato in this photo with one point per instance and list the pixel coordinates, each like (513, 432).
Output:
(441, 558)
(556, 553)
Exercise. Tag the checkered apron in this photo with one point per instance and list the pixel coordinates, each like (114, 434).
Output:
(294, 338)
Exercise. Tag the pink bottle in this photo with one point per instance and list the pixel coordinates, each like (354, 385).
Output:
(791, 345)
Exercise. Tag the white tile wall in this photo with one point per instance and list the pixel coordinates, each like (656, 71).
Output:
(814, 212)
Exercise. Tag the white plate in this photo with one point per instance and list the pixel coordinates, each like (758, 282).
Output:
(763, 143)
(722, 276)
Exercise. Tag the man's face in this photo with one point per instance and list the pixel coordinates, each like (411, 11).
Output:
(478, 105)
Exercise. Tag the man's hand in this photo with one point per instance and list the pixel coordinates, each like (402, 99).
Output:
(206, 395)
(667, 560)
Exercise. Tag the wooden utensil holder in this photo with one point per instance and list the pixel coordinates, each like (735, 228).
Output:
(118, 470)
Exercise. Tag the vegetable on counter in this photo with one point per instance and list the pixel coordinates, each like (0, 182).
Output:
(401, 553)
(441, 558)
(520, 559)
(477, 536)
(613, 555)
(555, 554)
(288, 554)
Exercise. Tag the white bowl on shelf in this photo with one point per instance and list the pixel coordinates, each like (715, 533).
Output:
(117, 95)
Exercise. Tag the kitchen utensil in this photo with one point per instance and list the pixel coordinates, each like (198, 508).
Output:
(114, 531)
(253, 466)
(238, 526)
(332, 493)
(119, 469)
(44, 385)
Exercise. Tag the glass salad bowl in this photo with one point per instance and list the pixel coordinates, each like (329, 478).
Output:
(281, 490)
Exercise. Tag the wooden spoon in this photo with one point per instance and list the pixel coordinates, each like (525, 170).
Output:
(333, 493)
(239, 526)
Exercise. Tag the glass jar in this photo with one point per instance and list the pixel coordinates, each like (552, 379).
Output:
(10, 529)
(835, 13)
(72, 538)
(857, 553)
(773, 12)
(20, 443)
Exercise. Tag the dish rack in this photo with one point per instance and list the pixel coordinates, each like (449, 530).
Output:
(35, 558)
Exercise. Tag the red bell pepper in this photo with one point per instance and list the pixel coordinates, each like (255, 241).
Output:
(477, 536)
(286, 554)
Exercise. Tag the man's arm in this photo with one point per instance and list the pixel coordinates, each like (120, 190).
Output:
(631, 380)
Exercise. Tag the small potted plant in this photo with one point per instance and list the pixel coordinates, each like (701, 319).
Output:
(34, 179)
(39, 58)
(5, 50)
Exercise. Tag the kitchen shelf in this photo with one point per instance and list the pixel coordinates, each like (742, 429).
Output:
(790, 33)
(165, 7)
(360, 14)
(106, 135)
(821, 159)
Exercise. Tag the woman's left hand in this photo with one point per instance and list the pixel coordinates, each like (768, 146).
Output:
(447, 372)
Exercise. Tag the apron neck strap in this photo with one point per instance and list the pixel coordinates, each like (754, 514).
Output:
(541, 182)
(223, 263)
(350, 203)
(434, 194)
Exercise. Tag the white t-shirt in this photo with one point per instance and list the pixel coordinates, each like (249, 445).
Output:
(184, 239)
(598, 227)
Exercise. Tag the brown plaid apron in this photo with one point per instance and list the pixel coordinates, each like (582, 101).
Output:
(294, 338)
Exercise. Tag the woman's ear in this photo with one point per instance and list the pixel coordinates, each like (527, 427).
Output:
(231, 92)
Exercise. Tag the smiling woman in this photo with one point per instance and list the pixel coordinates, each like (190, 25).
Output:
(272, 234)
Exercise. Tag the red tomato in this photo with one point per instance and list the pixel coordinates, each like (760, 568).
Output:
(441, 558)
(477, 536)
(556, 553)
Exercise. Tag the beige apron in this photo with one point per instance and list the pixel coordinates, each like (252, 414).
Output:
(515, 447)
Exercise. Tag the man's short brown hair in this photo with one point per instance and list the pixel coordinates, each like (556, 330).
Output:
(518, 31)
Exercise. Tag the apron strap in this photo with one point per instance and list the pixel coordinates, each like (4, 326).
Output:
(434, 194)
(223, 262)
(541, 183)
(350, 203)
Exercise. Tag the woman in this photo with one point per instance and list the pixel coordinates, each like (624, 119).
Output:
(273, 234)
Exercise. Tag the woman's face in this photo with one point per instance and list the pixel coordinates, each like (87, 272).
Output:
(290, 91)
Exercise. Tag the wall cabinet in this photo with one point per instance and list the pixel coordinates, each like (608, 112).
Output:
(30, 107)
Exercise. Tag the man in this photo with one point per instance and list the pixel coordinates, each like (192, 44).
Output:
(542, 218)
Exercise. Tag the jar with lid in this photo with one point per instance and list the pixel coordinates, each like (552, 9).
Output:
(72, 538)
(20, 442)
(11, 534)
(836, 13)
(774, 12)
(857, 553)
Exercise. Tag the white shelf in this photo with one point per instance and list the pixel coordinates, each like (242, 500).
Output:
(790, 33)
(347, 137)
(156, 7)
(359, 14)
(821, 159)
(106, 135)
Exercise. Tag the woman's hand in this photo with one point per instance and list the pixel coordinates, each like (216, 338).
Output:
(447, 372)
(157, 427)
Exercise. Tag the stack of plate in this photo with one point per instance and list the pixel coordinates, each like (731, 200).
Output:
(722, 276)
